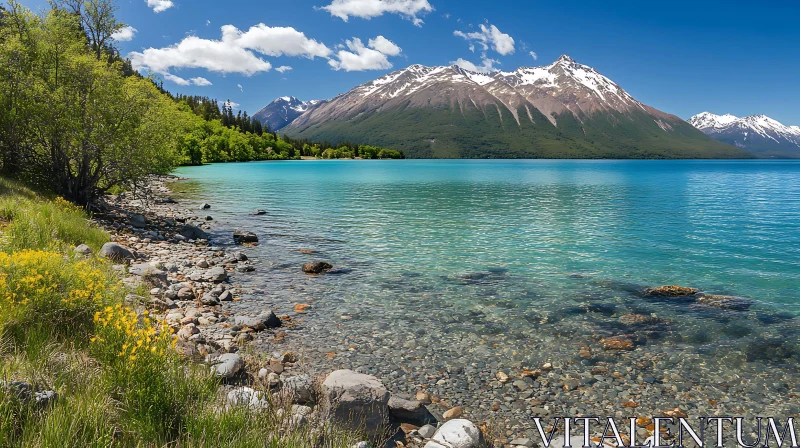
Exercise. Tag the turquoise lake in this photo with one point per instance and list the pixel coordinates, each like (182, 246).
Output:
(728, 227)
(449, 271)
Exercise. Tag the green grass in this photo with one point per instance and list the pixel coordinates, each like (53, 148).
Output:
(40, 222)
(64, 327)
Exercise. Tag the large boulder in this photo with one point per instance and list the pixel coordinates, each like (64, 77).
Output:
(266, 320)
(191, 232)
(227, 365)
(115, 252)
(356, 400)
(244, 236)
(317, 267)
(458, 433)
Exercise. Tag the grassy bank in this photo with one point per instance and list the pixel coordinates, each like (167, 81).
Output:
(64, 327)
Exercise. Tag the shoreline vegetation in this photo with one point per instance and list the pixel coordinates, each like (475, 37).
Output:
(77, 120)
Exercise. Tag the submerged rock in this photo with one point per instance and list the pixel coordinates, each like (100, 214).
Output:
(725, 302)
(244, 236)
(671, 291)
(317, 267)
(616, 343)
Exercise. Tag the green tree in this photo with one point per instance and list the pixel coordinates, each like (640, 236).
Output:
(97, 18)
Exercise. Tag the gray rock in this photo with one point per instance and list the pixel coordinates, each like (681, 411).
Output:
(427, 431)
(45, 398)
(186, 294)
(266, 320)
(138, 221)
(191, 232)
(151, 276)
(216, 274)
(115, 252)
(458, 433)
(209, 299)
(226, 296)
(356, 400)
(316, 267)
(205, 206)
(243, 236)
(84, 250)
(258, 212)
(299, 387)
(227, 365)
(409, 410)
(246, 396)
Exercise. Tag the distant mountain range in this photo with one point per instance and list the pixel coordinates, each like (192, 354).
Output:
(279, 113)
(757, 134)
(562, 110)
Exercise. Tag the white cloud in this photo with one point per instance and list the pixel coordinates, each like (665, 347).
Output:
(361, 57)
(208, 22)
(283, 69)
(276, 41)
(490, 37)
(240, 87)
(446, 16)
(124, 34)
(235, 52)
(194, 52)
(534, 55)
(487, 65)
(202, 82)
(232, 105)
(367, 9)
(385, 46)
(160, 5)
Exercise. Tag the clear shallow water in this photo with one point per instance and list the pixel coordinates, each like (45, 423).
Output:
(456, 270)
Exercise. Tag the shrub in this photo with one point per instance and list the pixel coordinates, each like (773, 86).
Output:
(43, 291)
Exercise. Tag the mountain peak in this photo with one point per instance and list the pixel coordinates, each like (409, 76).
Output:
(757, 133)
(565, 58)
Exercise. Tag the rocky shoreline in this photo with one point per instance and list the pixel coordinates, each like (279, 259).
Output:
(163, 251)
(201, 290)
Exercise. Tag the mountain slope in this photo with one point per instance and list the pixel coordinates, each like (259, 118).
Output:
(563, 110)
(279, 113)
(757, 134)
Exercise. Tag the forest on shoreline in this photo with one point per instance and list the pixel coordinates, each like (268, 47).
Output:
(78, 120)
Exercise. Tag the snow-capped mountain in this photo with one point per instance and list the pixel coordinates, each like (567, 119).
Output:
(564, 109)
(277, 114)
(758, 134)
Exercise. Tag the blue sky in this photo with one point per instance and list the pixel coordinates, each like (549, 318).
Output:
(682, 57)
